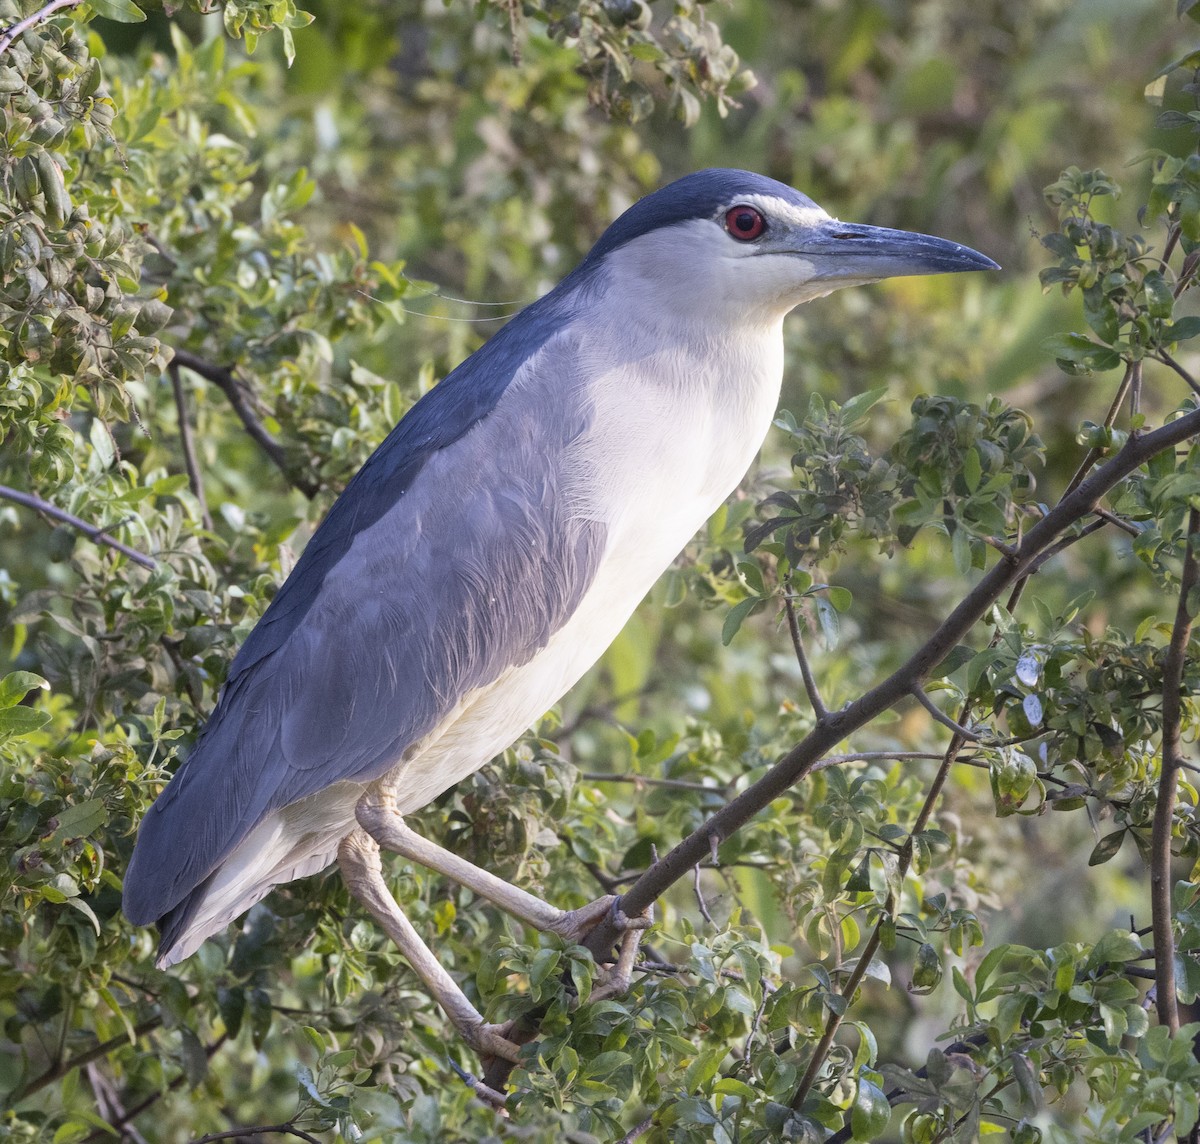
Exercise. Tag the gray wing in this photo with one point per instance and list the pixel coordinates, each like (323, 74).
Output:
(473, 567)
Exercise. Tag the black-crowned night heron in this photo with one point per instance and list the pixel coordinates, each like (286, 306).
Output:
(490, 550)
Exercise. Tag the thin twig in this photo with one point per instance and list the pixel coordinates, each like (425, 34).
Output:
(188, 444)
(643, 780)
(810, 683)
(176, 1082)
(700, 896)
(1110, 419)
(1172, 758)
(637, 1132)
(491, 1097)
(1167, 359)
(226, 380)
(287, 1129)
(1067, 541)
(99, 535)
(920, 695)
(903, 861)
(39, 17)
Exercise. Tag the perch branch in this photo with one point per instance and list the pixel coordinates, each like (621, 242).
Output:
(99, 535)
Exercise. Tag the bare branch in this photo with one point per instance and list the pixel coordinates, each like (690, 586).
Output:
(700, 896)
(39, 17)
(491, 1097)
(810, 683)
(226, 380)
(99, 535)
(1110, 419)
(1172, 760)
(637, 1132)
(195, 479)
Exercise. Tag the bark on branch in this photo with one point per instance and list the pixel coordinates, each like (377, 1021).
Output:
(91, 531)
(1164, 810)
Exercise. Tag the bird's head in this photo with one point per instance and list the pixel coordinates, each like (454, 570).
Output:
(726, 244)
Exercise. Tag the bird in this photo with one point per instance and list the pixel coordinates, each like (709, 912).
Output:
(489, 551)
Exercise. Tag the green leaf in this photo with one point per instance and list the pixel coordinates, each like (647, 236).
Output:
(1107, 848)
(703, 1068)
(17, 684)
(736, 617)
(870, 1113)
(18, 721)
(841, 598)
(81, 819)
(123, 11)
(959, 655)
(861, 403)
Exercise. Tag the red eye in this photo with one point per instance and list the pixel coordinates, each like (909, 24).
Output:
(745, 223)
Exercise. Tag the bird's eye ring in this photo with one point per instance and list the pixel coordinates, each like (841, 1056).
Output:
(745, 223)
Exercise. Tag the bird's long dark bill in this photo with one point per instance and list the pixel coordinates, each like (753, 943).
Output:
(879, 252)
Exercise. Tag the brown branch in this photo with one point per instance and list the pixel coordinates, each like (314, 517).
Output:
(810, 683)
(643, 780)
(638, 1131)
(939, 716)
(188, 444)
(39, 17)
(1008, 575)
(226, 380)
(1110, 419)
(1172, 760)
(832, 729)
(99, 535)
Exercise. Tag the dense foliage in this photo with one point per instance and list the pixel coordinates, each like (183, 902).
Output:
(957, 595)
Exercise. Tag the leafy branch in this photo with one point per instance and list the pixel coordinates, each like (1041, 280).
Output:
(835, 726)
(34, 19)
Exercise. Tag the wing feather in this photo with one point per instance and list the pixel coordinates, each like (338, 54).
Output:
(435, 572)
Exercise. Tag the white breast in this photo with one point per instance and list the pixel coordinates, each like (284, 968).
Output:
(673, 432)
